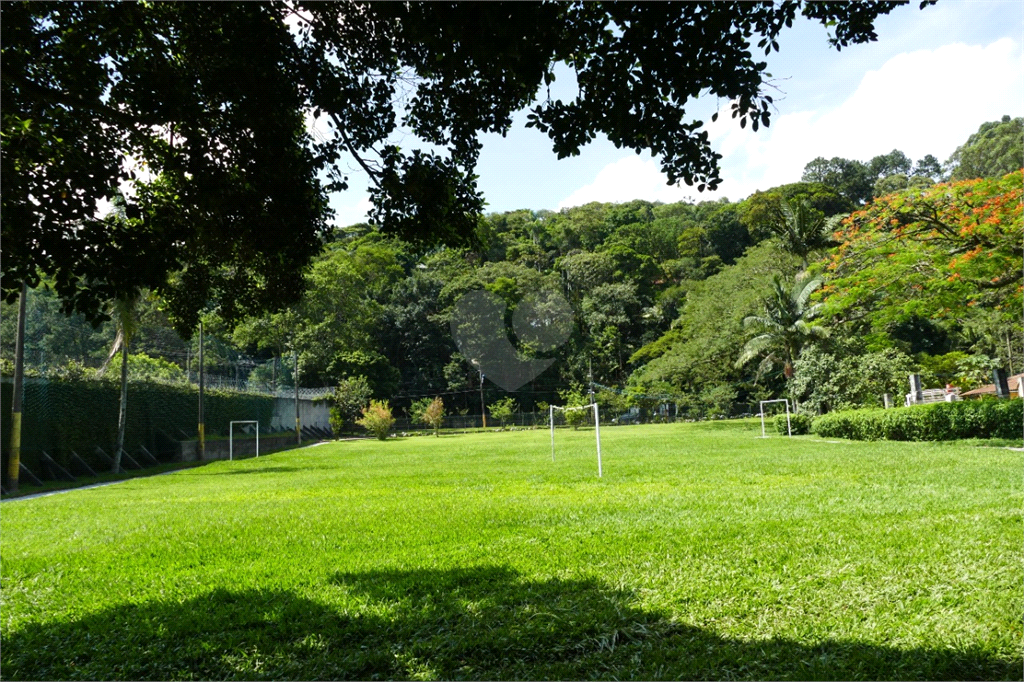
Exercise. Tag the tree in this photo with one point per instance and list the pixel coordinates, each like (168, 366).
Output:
(702, 347)
(899, 181)
(350, 397)
(574, 396)
(377, 419)
(803, 230)
(928, 167)
(852, 179)
(995, 150)
(196, 112)
(503, 409)
(893, 163)
(433, 415)
(124, 312)
(763, 210)
(211, 99)
(784, 325)
(825, 381)
(937, 253)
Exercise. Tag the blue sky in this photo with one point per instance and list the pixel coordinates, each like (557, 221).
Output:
(930, 80)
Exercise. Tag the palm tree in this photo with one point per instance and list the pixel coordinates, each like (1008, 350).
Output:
(785, 326)
(803, 229)
(124, 312)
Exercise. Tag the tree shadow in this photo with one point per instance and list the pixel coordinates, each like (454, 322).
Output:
(471, 623)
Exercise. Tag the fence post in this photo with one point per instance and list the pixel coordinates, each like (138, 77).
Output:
(14, 465)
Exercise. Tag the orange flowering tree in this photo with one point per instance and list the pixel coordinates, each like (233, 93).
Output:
(939, 252)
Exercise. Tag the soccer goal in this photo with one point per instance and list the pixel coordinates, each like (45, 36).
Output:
(597, 428)
(789, 427)
(231, 438)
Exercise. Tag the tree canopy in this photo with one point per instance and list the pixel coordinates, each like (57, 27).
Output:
(936, 252)
(995, 150)
(200, 110)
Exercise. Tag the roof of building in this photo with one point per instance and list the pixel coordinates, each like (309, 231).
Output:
(990, 389)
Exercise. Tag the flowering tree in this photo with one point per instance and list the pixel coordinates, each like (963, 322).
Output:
(941, 252)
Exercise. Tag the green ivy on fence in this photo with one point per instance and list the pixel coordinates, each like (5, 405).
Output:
(61, 416)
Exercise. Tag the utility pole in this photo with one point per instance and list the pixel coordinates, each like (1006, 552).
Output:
(298, 425)
(14, 466)
(483, 412)
(202, 386)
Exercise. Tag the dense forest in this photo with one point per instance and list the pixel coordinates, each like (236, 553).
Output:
(829, 291)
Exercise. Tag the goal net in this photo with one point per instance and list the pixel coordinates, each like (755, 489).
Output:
(576, 416)
(770, 408)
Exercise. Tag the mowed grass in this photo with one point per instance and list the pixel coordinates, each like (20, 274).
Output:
(703, 552)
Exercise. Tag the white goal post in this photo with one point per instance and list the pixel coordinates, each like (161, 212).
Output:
(597, 428)
(231, 438)
(789, 427)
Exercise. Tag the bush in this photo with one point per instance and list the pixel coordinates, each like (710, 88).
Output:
(350, 397)
(377, 419)
(503, 410)
(433, 415)
(938, 421)
(800, 424)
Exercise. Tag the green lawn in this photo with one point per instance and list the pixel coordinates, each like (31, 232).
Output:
(703, 552)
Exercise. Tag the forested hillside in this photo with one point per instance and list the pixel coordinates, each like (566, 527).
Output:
(829, 290)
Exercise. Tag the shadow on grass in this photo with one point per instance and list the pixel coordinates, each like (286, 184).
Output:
(478, 623)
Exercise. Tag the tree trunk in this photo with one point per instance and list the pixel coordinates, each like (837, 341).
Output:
(124, 406)
(1009, 353)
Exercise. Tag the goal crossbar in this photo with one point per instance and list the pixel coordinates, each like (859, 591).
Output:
(597, 428)
(789, 427)
(231, 437)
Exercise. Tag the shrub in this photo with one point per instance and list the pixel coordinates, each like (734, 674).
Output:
(350, 397)
(938, 421)
(433, 415)
(503, 410)
(800, 424)
(377, 419)
(574, 397)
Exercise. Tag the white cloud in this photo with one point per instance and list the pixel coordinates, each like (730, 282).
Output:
(922, 102)
(626, 179)
(351, 213)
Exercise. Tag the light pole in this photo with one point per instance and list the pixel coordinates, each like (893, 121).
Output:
(483, 412)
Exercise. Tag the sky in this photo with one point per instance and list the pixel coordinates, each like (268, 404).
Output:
(933, 76)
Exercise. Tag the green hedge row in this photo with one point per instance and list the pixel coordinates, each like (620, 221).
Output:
(937, 421)
(60, 416)
(799, 423)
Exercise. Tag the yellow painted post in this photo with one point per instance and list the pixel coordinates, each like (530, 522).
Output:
(14, 466)
(298, 424)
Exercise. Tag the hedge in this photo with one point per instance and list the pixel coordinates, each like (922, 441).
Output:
(799, 423)
(938, 421)
(60, 416)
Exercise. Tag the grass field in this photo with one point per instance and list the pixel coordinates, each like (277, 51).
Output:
(702, 553)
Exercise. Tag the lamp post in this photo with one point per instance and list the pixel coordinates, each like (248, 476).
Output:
(483, 412)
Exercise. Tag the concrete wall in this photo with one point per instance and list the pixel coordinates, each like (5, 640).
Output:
(311, 414)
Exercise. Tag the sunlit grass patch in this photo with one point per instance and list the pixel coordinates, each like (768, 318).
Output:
(703, 552)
